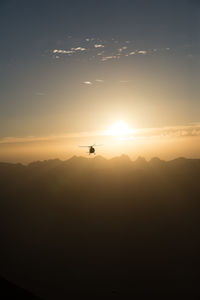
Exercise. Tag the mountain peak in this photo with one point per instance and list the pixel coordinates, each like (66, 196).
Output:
(122, 158)
(140, 159)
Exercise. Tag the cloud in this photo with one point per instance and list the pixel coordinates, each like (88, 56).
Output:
(132, 53)
(102, 50)
(105, 58)
(68, 52)
(142, 52)
(108, 49)
(120, 50)
(87, 82)
(98, 46)
(50, 138)
(91, 83)
(60, 51)
(78, 49)
(190, 130)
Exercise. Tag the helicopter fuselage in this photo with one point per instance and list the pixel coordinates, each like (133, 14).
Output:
(91, 150)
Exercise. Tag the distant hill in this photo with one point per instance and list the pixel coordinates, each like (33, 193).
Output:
(93, 226)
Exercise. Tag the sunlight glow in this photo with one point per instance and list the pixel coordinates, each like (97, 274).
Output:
(119, 129)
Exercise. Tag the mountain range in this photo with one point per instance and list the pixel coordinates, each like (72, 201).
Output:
(92, 226)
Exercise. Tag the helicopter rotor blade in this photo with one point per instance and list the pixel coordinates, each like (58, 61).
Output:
(94, 145)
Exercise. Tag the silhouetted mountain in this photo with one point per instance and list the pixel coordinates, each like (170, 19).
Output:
(45, 165)
(121, 159)
(140, 163)
(156, 161)
(96, 226)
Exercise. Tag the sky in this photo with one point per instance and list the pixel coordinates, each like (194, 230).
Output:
(70, 71)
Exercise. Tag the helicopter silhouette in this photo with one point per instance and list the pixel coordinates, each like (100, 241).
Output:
(91, 148)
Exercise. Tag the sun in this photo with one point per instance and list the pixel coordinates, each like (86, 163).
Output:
(120, 128)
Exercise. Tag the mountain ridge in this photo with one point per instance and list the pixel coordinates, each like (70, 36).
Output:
(92, 226)
(75, 158)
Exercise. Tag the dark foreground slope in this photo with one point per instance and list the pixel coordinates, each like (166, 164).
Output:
(9, 290)
(101, 227)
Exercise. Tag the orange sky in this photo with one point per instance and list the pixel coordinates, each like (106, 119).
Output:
(166, 143)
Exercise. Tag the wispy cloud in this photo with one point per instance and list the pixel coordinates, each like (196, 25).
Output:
(191, 130)
(60, 51)
(142, 52)
(99, 80)
(92, 82)
(50, 138)
(99, 46)
(95, 48)
(100, 53)
(122, 48)
(69, 52)
(78, 49)
(105, 58)
(87, 82)
(132, 53)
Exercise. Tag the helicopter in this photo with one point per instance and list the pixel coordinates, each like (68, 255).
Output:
(91, 148)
